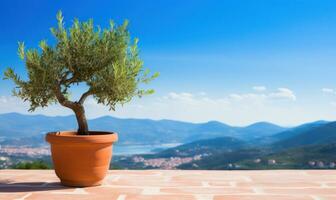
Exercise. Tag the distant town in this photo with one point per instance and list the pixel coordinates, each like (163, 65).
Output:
(10, 155)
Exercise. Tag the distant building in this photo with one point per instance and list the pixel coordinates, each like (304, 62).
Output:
(258, 160)
(197, 157)
(271, 162)
(138, 159)
(312, 163)
(2, 158)
(320, 164)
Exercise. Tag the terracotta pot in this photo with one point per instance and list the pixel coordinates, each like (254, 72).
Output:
(81, 160)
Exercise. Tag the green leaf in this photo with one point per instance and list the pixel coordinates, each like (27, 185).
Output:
(103, 59)
(21, 50)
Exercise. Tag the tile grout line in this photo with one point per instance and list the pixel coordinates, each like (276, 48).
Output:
(150, 191)
(233, 184)
(210, 186)
(79, 191)
(247, 178)
(116, 178)
(121, 197)
(24, 197)
(167, 178)
(205, 184)
(258, 190)
(324, 185)
(204, 196)
(316, 197)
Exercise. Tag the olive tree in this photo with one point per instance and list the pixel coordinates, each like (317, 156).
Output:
(105, 60)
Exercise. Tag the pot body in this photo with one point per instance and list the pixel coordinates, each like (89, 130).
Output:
(81, 160)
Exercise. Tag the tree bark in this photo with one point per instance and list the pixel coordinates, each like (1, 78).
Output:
(83, 128)
(77, 107)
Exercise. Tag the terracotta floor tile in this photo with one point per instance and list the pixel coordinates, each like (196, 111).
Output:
(175, 184)
(325, 197)
(262, 197)
(209, 190)
(48, 196)
(5, 196)
(160, 197)
(320, 172)
(220, 183)
(330, 184)
(305, 191)
(159, 182)
(110, 191)
(282, 184)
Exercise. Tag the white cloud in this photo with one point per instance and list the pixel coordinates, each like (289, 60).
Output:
(182, 96)
(236, 97)
(283, 93)
(259, 88)
(331, 93)
(277, 106)
(14, 104)
(328, 90)
(280, 94)
(252, 97)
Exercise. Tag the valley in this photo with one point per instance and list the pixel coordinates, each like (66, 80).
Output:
(167, 144)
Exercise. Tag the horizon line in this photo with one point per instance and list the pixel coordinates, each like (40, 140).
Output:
(181, 121)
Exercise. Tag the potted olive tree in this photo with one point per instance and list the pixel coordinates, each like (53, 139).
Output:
(106, 65)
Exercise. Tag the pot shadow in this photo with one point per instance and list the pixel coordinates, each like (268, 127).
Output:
(7, 186)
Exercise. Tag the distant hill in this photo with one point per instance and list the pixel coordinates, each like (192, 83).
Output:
(211, 129)
(224, 160)
(208, 146)
(131, 131)
(298, 130)
(305, 157)
(261, 129)
(142, 131)
(244, 156)
(17, 125)
(314, 142)
(300, 156)
(313, 135)
(24, 128)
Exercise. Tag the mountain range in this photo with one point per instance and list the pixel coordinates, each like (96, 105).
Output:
(312, 145)
(15, 126)
(219, 145)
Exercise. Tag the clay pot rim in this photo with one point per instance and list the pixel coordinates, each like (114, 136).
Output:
(71, 137)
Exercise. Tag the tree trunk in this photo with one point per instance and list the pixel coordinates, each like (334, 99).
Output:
(83, 128)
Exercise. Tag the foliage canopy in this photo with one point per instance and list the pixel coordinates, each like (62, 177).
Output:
(104, 59)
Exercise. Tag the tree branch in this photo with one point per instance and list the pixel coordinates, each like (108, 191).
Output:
(68, 81)
(64, 76)
(62, 99)
(84, 96)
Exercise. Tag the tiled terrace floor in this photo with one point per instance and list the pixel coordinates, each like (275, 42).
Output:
(170, 185)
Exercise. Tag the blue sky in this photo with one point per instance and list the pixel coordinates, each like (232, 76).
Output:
(234, 61)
